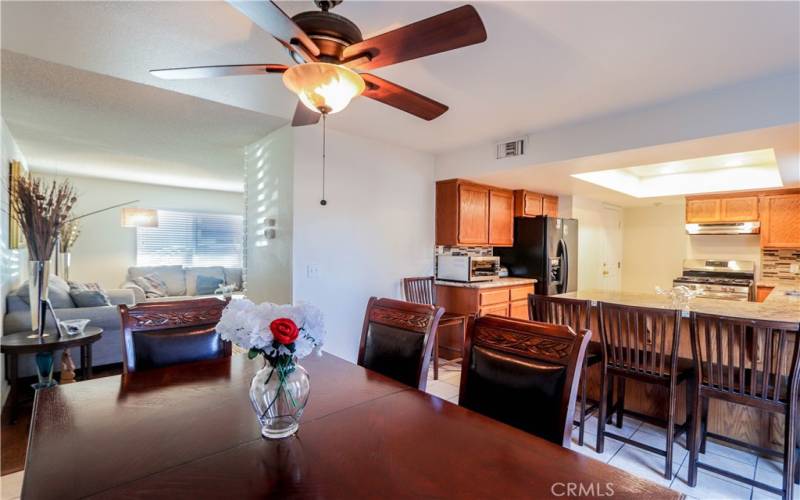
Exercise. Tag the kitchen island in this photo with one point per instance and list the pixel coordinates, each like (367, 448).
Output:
(746, 424)
(500, 296)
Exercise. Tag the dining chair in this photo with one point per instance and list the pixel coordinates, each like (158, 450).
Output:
(524, 373)
(577, 314)
(397, 339)
(750, 363)
(422, 291)
(641, 344)
(157, 334)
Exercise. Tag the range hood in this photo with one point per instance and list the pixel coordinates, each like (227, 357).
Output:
(752, 227)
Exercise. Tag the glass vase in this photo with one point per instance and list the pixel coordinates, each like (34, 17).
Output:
(279, 397)
(44, 370)
(38, 276)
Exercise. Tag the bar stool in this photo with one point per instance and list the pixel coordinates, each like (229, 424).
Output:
(751, 363)
(577, 314)
(422, 291)
(641, 343)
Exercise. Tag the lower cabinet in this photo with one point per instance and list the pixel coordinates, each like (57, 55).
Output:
(509, 301)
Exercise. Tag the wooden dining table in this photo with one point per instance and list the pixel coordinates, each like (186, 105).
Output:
(188, 431)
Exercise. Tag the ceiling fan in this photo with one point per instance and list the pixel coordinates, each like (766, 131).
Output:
(331, 54)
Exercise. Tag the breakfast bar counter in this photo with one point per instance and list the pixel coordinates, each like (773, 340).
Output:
(751, 425)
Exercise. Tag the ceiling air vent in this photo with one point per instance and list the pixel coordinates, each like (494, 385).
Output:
(513, 147)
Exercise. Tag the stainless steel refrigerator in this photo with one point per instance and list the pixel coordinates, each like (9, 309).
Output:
(545, 248)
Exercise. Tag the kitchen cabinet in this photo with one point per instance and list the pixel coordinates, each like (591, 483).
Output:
(501, 218)
(722, 209)
(530, 204)
(470, 214)
(780, 221)
(504, 297)
(762, 292)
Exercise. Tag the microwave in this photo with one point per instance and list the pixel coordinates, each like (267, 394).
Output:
(467, 268)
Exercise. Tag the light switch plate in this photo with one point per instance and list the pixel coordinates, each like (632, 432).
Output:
(794, 268)
(312, 271)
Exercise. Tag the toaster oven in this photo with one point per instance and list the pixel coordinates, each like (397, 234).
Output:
(467, 268)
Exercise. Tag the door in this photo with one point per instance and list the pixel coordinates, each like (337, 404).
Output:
(532, 204)
(550, 206)
(501, 218)
(780, 216)
(569, 235)
(473, 215)
(742, 209)
(703, 210)
(519, 309)
(611, 250)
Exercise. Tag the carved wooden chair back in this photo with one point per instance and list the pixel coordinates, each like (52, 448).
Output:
(740, 359)
(524, 373)
(640, 341)
(575, 313)
(397, 339)
(419, 290)
(157, 334)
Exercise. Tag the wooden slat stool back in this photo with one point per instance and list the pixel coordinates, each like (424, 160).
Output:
(751, 363)
(641, 343)
(577, 314)
(422, 291)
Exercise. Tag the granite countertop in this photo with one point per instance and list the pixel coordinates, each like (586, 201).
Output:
(488, 284)
(777, 307)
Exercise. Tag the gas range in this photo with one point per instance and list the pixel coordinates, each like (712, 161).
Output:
(719, 279)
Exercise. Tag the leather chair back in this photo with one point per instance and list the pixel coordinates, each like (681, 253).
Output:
(157, 334)
(524, 373)
(397, 339)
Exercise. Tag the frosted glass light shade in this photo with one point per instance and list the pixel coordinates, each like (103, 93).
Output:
(139, 217)
(323, 87)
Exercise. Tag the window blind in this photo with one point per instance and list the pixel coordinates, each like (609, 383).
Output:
(191, 239)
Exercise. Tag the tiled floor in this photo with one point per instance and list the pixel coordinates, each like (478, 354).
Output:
(649, 465)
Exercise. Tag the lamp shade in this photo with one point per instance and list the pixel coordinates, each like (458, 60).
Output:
(323, 87)
(139, 217)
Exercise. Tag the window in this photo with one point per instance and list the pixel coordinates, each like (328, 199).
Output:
(191, 239)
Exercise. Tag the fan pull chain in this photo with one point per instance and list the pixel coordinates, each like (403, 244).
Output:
(323, 201)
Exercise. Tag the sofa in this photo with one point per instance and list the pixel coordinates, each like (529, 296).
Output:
(181, 281)
(107, 350)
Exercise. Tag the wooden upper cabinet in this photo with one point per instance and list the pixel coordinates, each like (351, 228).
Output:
(550, 206)
(473, 214)
(722, 209)
(742, 209)
(530, 204)
(705, 210)
(780, 221)
(501, 218)
(469, 214)
(527, 204)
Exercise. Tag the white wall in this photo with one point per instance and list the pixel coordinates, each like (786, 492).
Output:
(655, 244)
(104, 250)
(10, 260)
(377, 228)
(269, 168)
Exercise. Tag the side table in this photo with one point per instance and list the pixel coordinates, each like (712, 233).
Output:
(29, 343)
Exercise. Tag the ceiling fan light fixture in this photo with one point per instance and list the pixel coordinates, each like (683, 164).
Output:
(323, 87)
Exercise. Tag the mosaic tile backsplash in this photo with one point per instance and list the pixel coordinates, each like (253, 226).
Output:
(775, 265)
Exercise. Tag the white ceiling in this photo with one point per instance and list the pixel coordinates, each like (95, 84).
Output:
(544, 64)
(73, 122)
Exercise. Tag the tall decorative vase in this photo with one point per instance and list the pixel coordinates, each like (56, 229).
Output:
(38, 276)
(279, 396)
(44, 370)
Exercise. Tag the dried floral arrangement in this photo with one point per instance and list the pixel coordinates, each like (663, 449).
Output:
(41, 211)
(69, 235)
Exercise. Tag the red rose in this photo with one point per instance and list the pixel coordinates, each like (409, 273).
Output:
(284, 330)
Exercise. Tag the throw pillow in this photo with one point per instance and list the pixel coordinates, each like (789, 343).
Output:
(75, 285)
(58, 296)
(207, 285)
(152, 284)
(89, 298)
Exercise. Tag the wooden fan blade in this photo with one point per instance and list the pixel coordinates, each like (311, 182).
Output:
(402, 98)
(270, 18)
(447, 31)
(215, 71)
(304, 116)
